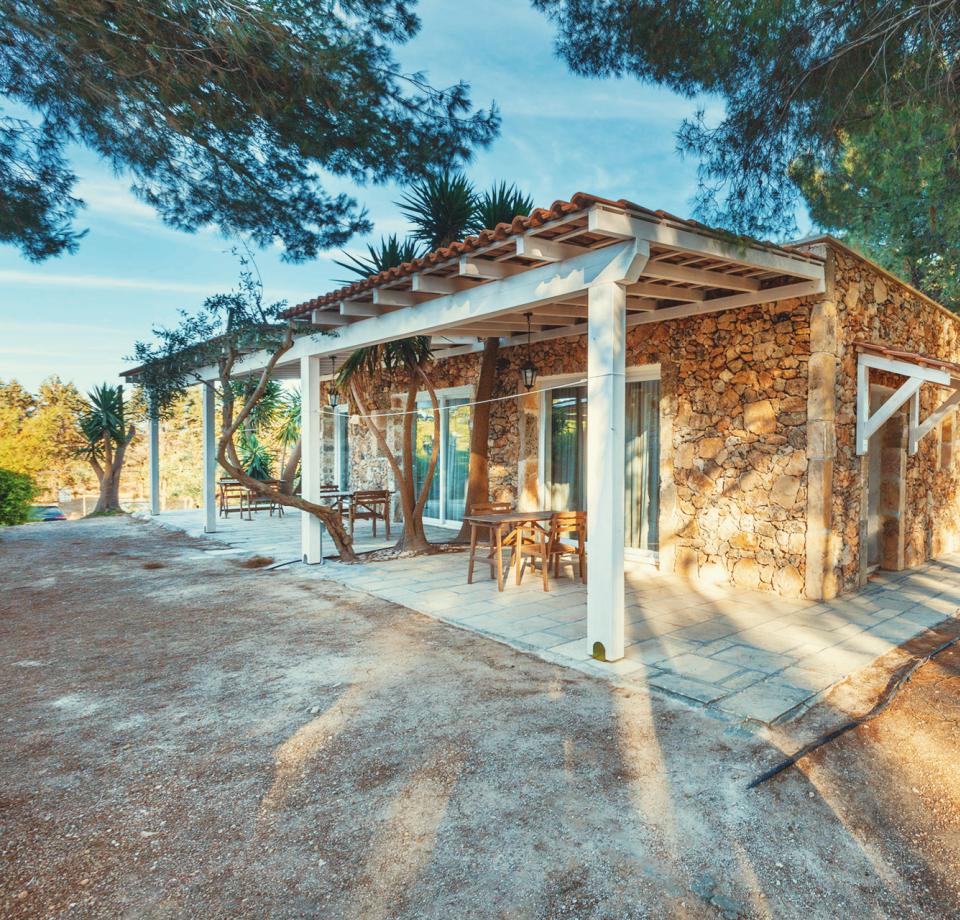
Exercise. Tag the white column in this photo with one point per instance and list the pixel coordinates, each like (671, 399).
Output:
(311, 534)
(606, 409)
(209, 415)
(154, 466)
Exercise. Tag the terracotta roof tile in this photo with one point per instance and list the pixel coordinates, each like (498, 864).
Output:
(581, 201)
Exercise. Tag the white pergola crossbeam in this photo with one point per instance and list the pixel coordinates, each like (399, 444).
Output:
(328, 318)
(918, 431)
(869, 424)
(471, 267)
(435, 284)
(532, 247)
(360, 308)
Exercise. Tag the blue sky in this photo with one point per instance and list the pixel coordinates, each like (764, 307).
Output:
(78, 316)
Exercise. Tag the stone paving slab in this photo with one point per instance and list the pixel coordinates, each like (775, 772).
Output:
(746, 655)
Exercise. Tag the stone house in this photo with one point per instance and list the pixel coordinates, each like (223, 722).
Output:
(778, 417)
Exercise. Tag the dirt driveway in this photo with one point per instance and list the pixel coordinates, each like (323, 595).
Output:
(183, 737)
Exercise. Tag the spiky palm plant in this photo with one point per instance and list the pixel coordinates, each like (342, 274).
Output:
(254, 456)
(267, 408)
(105, 428)
(500, 204)
(390, 252)
(441, 208)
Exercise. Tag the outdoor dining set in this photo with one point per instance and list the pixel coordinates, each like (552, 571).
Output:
(359, 505)
(546, 538)
(542, 539)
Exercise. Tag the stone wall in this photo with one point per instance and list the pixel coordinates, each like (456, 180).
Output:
(733, 458)
(760, 484)
(873, 306)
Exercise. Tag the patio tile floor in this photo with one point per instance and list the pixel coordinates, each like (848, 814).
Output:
(747, 655)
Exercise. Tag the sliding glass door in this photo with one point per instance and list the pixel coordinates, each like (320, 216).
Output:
(341, 447)
(567, 449)
(642, 474)
(448, 490)
(565, 457)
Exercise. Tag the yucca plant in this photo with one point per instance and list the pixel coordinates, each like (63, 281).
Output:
(254, 455)
(500, 204)
(390, 252)
(107, 434)
(441, 208)
(266, 410)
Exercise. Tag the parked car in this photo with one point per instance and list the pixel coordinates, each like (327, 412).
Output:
(46, 513)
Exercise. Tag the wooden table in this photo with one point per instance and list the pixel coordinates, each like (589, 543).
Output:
(253, 498)
(335, 497)
(513, 524)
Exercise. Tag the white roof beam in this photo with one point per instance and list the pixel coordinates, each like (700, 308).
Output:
(771, 295)
(435, 284)
(635, 304)
(664, 292)
(472, 267)
(532, 247)
(387, 298)
(360, 308)
(666, 271)
(660, 233)
(527, 289)
(328, 318)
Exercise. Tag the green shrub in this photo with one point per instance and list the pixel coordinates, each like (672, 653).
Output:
(17, 491)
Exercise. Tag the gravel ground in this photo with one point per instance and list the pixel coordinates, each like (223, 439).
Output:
(184, 737)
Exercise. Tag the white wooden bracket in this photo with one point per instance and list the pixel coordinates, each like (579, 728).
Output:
(917, 375)
(918, 430)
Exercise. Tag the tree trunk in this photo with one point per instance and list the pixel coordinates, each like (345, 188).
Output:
(229, 460)
(290, 469)
(478, 474)
(109, 474)
(412, 537)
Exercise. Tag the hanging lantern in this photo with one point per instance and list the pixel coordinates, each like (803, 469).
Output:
(332, 392)
(528, 371)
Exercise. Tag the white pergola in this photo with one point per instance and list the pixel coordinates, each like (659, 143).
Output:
(595, 269)
(917, 369)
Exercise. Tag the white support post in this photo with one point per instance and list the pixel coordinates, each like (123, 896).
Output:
(311, 533)
(921, 429)
(606, 410)
(913, 430)
(154, 466)
(208, 407)
(863, 405)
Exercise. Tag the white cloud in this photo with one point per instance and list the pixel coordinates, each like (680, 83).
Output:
(112, 282)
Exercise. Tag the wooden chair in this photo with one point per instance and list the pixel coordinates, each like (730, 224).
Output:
(553, 548)
(566, 524)
(370, 505)
(233, 498)
(489, 508)
(331, 487)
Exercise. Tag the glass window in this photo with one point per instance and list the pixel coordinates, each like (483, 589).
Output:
(642, 479)
(342, 448)
(566, 457)
(456, 467)
(423, 450)
(567, 449)
(448, 490)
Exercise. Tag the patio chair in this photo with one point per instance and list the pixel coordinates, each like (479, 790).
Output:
(563, 524)
(233, 498)
(332, 489)
(370, 505)
(489, 508)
